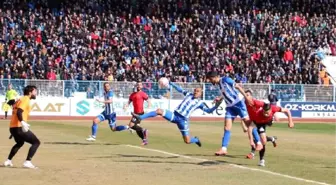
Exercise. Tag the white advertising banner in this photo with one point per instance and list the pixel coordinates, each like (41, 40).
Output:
(90, 107)
(45, 106)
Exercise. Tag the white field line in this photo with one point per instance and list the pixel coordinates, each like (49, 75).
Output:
(233, 165)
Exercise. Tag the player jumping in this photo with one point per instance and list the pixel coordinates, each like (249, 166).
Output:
(235, 106)
(253, 106)
(107, 114)
(263, 117)
(180, 116)
(138, 99)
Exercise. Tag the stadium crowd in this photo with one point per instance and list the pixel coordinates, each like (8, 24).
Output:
(254, 41)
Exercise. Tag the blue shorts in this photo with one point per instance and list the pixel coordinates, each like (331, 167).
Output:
(181, 122)
(239, 109)
(110, 118)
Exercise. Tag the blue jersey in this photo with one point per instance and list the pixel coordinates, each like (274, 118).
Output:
(108, 106)
(189, 104)
(230, 93)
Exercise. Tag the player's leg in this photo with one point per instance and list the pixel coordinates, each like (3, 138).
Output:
(112, 121)
(142, 133)
(31, 138)
(148, 115)
(184, 129)
(272, 138)
(230, 114)
(19, 142)
(262, 131)
(6, 108)
(94, 127)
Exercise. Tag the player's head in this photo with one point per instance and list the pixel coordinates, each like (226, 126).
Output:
(198, 92)
(10, 86)
(138, 86)
(31, 91)
(213, 77)
(107, 86)
(248, 93)
(267, 109)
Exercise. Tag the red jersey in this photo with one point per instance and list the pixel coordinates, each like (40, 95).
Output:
(252, 110)
(260, 118)
(138, 99)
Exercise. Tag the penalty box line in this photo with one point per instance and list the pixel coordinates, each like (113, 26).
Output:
(233, 165)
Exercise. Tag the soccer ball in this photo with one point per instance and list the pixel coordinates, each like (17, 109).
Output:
(163, 82)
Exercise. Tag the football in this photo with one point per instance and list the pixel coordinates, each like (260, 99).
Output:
(163, 82)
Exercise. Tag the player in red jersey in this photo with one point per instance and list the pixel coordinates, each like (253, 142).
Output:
(262, 118)
(253, 105)
(138, 98)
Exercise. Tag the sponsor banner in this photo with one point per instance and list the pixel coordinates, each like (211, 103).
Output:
(90, 107)
(46, 107)
(311, 109)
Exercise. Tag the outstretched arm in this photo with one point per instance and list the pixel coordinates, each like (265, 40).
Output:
(289, 115)
(208, 110)
(242, 91)
(178, 88)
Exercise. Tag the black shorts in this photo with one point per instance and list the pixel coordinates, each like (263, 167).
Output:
(261, 127)
(11, 102)
(21, 137)
(134, 120)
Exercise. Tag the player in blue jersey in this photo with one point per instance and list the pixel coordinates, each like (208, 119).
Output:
(235, 106)
(108, 114)
(180, 116)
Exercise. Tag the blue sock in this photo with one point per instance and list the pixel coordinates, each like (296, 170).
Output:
(255, 135)
(121, 127)
(148, 115)
(226, 138)
(94, 129)
(194, 140)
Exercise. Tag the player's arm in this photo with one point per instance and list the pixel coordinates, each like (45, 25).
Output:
(243, 125)
(178, 88)
(288, 114)
(242, 91)
(148, 102)
(210, 110)
(250, 135)
(21, 107)
(128, 103)
(6, 97)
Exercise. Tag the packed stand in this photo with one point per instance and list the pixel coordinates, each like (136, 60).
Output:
(260, 42)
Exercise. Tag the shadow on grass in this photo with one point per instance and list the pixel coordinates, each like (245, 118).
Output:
(212, 155)
(17, 167)
(78, 143)
(147, 159)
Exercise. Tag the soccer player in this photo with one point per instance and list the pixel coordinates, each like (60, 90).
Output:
(253, 106)
(11, 95)
(180, 116)
(19, 128)
(235, 106)
(263, 117)
(138, 99)
(108, 114)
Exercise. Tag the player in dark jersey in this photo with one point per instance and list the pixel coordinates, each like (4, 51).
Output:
(253, 105)
(138, 98)
(261, 119)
